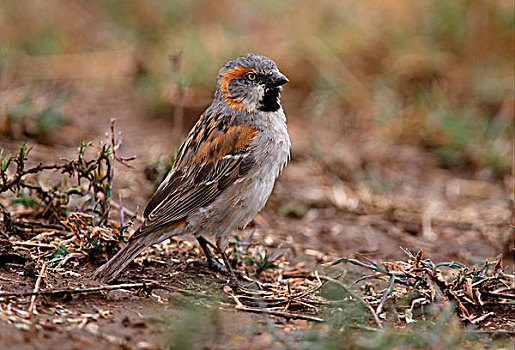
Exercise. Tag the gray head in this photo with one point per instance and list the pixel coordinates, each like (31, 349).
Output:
(250, 83)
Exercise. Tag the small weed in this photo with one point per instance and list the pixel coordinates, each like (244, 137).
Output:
(422, 275)
(83, 205)
(245, 253)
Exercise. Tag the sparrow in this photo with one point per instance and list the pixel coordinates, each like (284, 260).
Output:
(224, 171)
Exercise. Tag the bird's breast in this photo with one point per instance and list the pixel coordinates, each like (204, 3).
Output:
(272, 144)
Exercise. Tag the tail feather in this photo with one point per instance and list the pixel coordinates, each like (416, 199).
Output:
(115, 266)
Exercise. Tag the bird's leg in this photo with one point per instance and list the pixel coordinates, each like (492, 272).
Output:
(211, 260)
(215, 264)
(234, 280)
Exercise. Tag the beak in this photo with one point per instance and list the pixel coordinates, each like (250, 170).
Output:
(276, 79)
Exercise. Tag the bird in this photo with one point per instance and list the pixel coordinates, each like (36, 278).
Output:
(225, 169)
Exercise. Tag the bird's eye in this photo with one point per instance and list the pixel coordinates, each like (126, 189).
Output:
(251, 76)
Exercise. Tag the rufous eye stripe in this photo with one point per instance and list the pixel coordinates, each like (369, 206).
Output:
(227, 77)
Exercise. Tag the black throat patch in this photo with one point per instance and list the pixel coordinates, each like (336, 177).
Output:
(270, 101)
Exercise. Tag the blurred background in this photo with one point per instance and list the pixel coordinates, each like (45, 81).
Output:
(402, 109)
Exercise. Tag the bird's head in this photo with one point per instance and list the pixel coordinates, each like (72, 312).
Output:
(251, 83)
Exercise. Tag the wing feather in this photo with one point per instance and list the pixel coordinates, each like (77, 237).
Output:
(201, 172)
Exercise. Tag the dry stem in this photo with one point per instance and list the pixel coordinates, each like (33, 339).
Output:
(144, 285)
(32, 306)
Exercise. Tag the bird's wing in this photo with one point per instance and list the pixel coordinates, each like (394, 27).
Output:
(215, 154)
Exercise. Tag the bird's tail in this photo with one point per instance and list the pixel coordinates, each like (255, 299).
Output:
(115, 266)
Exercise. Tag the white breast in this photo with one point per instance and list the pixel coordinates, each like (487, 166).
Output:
(271, 153)
(272, 145)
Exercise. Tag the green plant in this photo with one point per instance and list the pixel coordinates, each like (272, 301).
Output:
(82, 205)
(246, 253)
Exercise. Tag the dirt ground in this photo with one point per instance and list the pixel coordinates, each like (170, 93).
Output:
(318, 213)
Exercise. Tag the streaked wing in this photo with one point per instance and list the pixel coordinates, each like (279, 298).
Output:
(215, 154)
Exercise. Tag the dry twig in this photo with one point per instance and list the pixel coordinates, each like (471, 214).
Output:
(287, 315)
(32, 306)
(146, 286)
